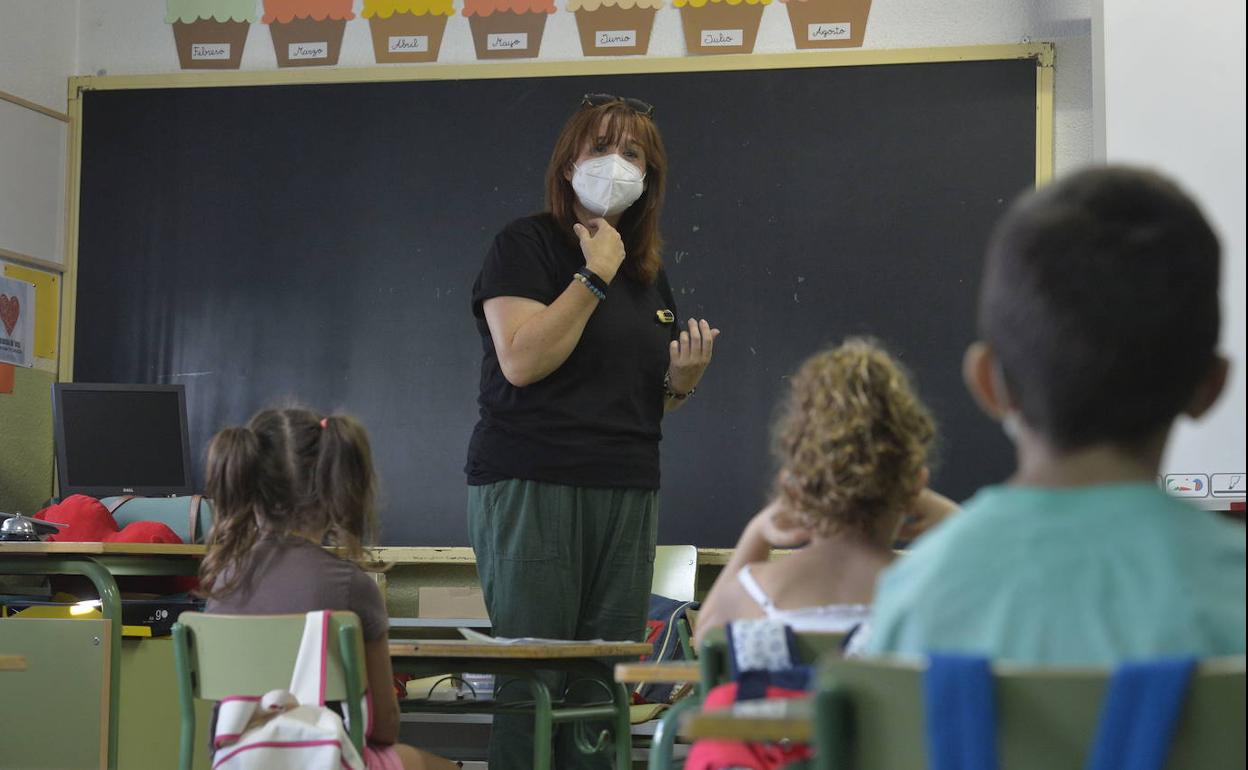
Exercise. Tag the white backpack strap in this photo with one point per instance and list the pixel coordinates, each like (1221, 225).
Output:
(366, 711)
(307, 683)
(233, 715)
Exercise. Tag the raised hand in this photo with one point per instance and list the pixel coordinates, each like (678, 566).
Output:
(778, 527)
(690, 355)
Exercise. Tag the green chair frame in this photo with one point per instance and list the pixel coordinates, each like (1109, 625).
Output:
(870, 714)
(715, 670)
(222, 655)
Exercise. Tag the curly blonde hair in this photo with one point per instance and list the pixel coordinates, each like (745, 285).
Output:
(851, 440)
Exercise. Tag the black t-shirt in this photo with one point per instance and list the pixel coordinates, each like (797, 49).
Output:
(594, 421)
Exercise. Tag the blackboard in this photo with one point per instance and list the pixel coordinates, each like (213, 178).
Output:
(317, 243)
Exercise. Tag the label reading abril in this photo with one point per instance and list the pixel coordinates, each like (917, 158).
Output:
(712, 38)
(616, 38)
(409, 44)
(308, 50)
(828, 31)
(210, 51)
(507, 41)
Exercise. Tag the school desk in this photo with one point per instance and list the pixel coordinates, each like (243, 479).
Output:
(580, 660)
(772, 720)
(408, 568)
(637, 673)
(101, 563)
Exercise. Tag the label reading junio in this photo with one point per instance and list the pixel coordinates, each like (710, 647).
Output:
(712, 38)
(210, 51)
(616, 38)
(309, 50)
(409, 44)
(507, 41)
(828, 31)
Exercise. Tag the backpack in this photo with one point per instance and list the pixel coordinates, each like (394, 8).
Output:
(665, 621)
(288, 729)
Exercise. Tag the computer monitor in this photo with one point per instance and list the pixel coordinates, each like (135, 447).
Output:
(121, 439)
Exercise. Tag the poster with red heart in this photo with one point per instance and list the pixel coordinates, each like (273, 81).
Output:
(17, 322)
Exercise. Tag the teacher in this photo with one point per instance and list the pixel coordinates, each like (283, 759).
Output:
(583, 355)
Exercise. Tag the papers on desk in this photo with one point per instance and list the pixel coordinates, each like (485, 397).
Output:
(765, 707)
(477, 636)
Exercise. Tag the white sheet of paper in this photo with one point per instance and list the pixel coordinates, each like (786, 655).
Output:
(477, 636)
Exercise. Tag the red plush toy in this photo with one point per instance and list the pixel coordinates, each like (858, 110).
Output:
(90, 522)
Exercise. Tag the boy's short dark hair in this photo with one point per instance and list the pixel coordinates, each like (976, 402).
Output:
(1100, 300)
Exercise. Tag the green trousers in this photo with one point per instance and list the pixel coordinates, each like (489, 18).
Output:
(560, 562)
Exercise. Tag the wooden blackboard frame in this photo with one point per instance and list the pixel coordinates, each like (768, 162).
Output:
(1030, 56)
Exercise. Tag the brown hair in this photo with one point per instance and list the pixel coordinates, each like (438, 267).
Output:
(852, 439)
(288, 470)
(1087, 280)
(639, 224)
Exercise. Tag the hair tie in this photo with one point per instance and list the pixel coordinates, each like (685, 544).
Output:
(324, 422)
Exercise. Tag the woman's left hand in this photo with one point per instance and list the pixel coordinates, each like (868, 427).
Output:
(690, 355)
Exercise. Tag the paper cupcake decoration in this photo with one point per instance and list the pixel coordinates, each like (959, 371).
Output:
(307, 33)
(720, 26)
(614, 27)
(407, 30)
(828, 23)
(507, 29)
(210, 34)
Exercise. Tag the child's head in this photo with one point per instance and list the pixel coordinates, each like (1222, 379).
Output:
(1099, 310)
(852, 442)
(287, 471)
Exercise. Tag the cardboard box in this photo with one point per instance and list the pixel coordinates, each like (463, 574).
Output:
(452, 602)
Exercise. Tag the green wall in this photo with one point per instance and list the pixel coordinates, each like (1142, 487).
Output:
(26, 442)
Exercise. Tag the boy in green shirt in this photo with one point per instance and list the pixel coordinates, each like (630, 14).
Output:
(1099, 323)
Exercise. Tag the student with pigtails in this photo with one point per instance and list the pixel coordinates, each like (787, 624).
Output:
(288, 483)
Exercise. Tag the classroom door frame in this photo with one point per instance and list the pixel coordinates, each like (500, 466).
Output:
(1042, 53)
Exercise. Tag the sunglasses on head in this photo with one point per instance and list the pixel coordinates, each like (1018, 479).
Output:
(636, 105)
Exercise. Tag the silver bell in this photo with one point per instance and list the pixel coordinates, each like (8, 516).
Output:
(18, 527)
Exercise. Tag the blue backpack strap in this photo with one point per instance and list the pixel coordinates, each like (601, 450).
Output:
(1140, 714)
(960, 713)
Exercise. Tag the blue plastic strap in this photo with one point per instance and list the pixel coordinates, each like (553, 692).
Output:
(961, 714)
(1140, 715)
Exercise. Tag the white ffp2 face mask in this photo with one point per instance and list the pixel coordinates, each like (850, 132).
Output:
(608, 185)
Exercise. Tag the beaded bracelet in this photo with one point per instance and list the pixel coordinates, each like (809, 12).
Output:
(592, 288)
(594, 280)
(667, 389)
